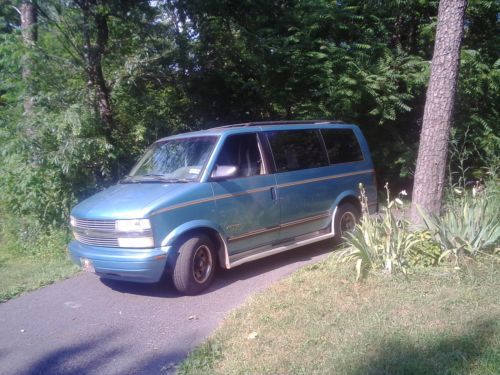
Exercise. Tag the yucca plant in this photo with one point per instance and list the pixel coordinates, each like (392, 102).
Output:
(468, 226)
(379, 243)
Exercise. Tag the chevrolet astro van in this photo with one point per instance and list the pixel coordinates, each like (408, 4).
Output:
(223, 197)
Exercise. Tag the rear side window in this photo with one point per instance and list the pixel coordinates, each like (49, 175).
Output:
(342, 145)
(297, 149)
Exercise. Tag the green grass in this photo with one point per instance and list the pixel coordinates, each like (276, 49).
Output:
(32, 254)
(21, 273)
(319, 321)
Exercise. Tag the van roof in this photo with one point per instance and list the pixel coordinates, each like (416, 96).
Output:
(261, 125)
(292, 122)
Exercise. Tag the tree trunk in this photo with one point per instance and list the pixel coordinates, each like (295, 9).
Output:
(433, 150)
(100, 95)
(95, 40)
(29, 34)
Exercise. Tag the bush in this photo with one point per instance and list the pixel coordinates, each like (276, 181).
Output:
(426, 251)
(28, 236)
(469, 224)
(381, 242)
(44, 176)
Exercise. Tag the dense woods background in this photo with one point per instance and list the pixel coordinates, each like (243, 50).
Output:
(94, 82)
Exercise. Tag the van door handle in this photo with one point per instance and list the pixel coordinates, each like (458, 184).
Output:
(273, 194)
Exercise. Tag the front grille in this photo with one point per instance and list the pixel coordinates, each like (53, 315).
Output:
(106, 242)
(100, 225)
(101, 232)
(95, 232)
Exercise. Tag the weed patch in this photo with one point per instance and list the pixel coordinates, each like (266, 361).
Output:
(31, 256)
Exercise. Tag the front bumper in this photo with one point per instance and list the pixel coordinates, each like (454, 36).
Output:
(139, 265)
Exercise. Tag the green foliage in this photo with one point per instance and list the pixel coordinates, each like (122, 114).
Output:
(175, 65)
(31, 254)
(470, 224)
(425, 252)
(42, 176)
(26, 236)
(475, 142)
(202, 358)
(381, 243)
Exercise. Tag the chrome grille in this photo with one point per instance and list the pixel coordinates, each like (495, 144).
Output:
(106, 242)
(101, 232)
(100, 225)
(95, 232)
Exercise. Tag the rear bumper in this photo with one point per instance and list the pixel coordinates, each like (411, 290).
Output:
(139, 265)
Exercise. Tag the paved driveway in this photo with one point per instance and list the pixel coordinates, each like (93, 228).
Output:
(85, 325)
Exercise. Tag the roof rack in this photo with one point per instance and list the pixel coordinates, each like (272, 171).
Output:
(292, 122)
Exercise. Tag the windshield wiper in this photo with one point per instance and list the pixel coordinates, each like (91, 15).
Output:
(163, 178)
(156, 176)
(182, 180)
(128, 180)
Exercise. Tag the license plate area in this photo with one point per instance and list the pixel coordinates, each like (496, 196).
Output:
(87, 265)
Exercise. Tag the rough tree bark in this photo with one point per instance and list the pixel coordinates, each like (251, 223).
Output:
(95, 41)
(30, 35)
(433, 150)
(94, 22)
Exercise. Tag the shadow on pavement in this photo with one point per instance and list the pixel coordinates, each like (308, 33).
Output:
(103, 354)
(82, 356)
(443, 353)
(223, 277)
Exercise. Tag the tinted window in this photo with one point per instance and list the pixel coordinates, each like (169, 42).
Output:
(243, 152)
(297, 149)
(342, 145)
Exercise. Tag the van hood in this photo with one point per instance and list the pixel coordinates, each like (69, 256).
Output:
(128, 201)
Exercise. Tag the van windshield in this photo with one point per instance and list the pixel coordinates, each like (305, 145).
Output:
(174, 160)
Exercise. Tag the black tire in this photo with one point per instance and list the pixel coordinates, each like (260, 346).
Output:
(195, 266)
(346, 218)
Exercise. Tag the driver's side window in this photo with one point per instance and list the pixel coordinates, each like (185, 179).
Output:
(241, 151)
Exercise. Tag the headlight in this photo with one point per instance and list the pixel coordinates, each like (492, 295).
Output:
(141, 233)
(134, 225)
(141, 242)
(72, 221)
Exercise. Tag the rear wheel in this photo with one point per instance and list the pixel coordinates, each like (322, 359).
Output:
(195, 265)
(346, 218)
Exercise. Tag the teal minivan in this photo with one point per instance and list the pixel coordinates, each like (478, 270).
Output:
(223, 197)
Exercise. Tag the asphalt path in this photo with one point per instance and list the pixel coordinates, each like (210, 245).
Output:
(85, 325)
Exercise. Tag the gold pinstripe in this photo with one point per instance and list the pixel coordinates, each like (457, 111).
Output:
(251, 191)
(305, 220)
(253, 233)
(285, 225)
(182, 205)
(257, 190)
(332, 177)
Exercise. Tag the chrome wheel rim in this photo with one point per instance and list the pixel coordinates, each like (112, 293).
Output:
(347, 222)
(202, 264)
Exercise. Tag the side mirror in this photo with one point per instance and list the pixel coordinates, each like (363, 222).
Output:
(222, 172)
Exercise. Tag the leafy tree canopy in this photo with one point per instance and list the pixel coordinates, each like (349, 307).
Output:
(176, 65)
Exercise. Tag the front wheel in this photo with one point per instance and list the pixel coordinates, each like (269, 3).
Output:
(195, 265)
(346, 218)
